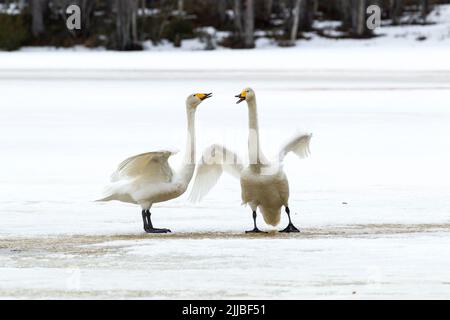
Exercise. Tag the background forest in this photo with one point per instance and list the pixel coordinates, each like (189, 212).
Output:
(127, 24)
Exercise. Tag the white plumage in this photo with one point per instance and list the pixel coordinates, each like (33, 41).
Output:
(142, 179)
(148, 178)
(264, 184)
(214, 161)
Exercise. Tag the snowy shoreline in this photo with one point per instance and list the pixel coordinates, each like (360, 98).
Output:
(372, 201)
(282, 60)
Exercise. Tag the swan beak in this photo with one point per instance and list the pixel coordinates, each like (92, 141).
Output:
(241, 97)
(203, 96)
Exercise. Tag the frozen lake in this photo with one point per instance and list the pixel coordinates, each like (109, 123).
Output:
(372, 201)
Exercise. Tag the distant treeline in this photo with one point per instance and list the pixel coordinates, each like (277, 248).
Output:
(126, 24)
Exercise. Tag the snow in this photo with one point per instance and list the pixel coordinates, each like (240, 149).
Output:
(372, 200)
(395, 51)
(435, 33)
(388, 267)
(11, 9)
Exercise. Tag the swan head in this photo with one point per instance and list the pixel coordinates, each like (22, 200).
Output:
(193, 100)
(246, 94)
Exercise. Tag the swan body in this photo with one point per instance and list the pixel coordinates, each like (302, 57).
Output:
(143, 178)
(264, 184)
(266, 192)
(147, 178)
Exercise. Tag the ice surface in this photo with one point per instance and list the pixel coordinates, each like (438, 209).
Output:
(372, 200)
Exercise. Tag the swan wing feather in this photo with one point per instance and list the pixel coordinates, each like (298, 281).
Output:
(299, 144)
(152, 166)
(214, 161)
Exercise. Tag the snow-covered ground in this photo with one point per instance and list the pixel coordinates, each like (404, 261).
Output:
(372, 200)
(407, 35)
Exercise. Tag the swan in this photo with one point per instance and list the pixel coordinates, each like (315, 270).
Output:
(264, 184)
(147, 178)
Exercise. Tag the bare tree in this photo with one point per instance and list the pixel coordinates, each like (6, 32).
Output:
(126, 27)
(38, 8)
(142, 7)
(237, 9)
(244, 24)
(263, 10)
(221, 10)
(308, 9)
(358, 13)
(353, 15)
(346, 14)
(268, 5)
(249, 23)
(284, 20)
(396, 9)
(180, 6)
(87, 10)
(296, 20)
(424, 8)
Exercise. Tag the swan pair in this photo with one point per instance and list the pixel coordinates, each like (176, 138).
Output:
(147, 178)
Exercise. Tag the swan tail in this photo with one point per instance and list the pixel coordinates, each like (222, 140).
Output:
(271, 216)
(119, 197)
(116, 191)
(107, 198)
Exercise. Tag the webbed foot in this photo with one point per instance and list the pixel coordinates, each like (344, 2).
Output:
(157, 230)
(290, 228)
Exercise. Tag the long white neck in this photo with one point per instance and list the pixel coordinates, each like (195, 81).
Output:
(188, 167)
(255, 154)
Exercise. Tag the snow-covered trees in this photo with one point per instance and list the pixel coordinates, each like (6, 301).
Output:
(125, 24)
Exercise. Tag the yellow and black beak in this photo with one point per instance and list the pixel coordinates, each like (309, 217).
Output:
(203, 96)
(242, 96)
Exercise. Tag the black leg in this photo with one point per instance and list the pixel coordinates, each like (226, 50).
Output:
(255, 228)
(144, 220)
(290, 227)
(148, 226)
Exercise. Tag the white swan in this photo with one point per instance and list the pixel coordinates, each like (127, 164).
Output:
(264, 185)
(147, 178)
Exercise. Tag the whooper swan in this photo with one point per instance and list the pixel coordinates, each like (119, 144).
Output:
(147, 178)
(264, 184)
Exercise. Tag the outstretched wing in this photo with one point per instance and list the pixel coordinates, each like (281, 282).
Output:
(152, 166)
(215, 160)
(299, 145)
